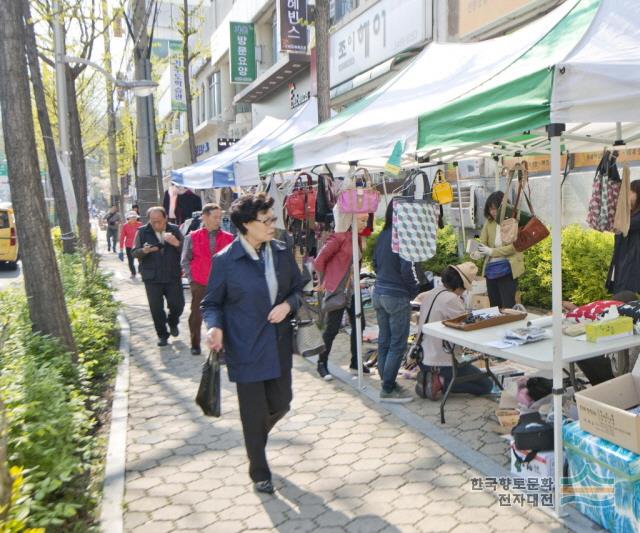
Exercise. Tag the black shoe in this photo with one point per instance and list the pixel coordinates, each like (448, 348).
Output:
(195, 351)
(323, 371)
(163, 341)
(265, 487)
(174, 331)
(354, 369)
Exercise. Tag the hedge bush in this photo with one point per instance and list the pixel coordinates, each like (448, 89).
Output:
(586, 255)
(53, 407)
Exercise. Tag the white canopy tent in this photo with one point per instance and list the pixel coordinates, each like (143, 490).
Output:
(240, 160)
(570, 80)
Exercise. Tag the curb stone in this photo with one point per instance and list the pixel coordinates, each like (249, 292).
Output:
(112, 516)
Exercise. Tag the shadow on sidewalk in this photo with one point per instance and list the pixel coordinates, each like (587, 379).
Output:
(300, 505)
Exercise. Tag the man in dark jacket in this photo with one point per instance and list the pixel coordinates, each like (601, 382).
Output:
(396, 285)
(158, 247)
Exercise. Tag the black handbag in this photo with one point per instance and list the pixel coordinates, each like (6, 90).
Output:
(208, 396)
(532, 433)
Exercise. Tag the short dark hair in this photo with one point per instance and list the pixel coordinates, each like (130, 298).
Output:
(209, 208)
(388, 216)
(635, 187)
(246, 209)
(451, 279)
(494, 200)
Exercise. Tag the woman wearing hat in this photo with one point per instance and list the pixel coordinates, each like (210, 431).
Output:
(128, 237)
(442, 303)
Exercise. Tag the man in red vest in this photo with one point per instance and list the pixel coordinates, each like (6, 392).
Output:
(199, 247)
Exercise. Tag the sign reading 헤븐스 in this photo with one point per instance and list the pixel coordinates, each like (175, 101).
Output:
(242, 50)
(293, 35)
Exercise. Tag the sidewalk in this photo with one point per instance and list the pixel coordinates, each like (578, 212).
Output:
(341, 462)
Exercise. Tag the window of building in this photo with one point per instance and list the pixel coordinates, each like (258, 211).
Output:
(203, 100)
(214, 95)
(339, 8)
(274, 38)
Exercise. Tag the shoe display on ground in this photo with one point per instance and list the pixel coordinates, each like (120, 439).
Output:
(397, 395)
(163, 341)
(174, 331)
(196, 351)
(323, 372)
(266, 487)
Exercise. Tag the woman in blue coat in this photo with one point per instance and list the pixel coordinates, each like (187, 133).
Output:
(253, 292)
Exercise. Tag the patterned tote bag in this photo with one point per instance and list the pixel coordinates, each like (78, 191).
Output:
(416, 222)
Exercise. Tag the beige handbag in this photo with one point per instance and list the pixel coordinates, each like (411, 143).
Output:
(509, 226)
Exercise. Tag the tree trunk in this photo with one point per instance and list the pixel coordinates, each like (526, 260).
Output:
(47, 307)
(78, 164)
(187, 82)
(322, 59)
(60, 200)
(111, 116)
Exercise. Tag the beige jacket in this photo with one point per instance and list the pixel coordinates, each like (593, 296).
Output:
(488, 238)
(447, 305)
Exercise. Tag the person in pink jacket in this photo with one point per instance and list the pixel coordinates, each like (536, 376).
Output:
(334, 264)
(128, 237)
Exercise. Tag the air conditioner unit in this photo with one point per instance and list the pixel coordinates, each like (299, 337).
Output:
(452, 211)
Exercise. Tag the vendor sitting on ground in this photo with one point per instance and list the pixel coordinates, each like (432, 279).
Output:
(443, 303)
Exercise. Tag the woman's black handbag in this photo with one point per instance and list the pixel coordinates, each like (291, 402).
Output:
(208, 397)
(532, 433)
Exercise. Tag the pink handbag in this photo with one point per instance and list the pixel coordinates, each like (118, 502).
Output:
(359, 199)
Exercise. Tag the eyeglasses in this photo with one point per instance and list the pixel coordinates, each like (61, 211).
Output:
(267, 221)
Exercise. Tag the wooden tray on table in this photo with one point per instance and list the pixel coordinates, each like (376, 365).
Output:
(508, 315)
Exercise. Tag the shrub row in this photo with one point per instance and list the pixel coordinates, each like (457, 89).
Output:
(54, 408)
(586, 255)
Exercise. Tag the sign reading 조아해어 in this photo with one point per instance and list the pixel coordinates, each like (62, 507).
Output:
(242, 51)
(293, 35)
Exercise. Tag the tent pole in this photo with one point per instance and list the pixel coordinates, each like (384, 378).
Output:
(464, 235)
(618, 131)
(357, 295)
(555, 130)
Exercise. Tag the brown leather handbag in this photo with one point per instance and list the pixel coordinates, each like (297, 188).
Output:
(533, 231)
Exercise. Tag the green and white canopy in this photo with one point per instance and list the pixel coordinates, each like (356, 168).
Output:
(578, 65)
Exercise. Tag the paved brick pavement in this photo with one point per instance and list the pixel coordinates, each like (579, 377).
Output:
(340, 461)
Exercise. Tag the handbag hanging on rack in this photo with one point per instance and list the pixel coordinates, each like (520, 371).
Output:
(509, 225)
(301, 203)
(604, 193)
(535, 230)
(415, 222)
(441, 191)
(356, 200)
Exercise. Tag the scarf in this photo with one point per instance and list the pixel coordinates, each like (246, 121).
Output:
(269, 266)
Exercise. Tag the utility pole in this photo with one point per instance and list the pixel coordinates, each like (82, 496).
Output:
(322, 59)
(111, 115)
(147, 186)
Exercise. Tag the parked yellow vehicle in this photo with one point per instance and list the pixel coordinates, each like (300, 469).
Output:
(8, 237)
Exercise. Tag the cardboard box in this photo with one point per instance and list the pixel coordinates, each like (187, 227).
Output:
(603, 481)
(609, 329)
(602, 410)
(541, 466)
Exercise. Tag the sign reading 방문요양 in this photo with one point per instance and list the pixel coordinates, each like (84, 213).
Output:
(379, 33)
(242, 51)
(293, 35)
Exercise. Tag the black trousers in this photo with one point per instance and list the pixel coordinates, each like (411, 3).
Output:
(156, 294)
(130, 259)
(112, 239)
(262, 404)
(502, 291)
(332, 327)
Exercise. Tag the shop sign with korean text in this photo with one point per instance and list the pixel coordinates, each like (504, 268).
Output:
(242, 51)
(293, 34)
(382, 31)
(176, 71)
